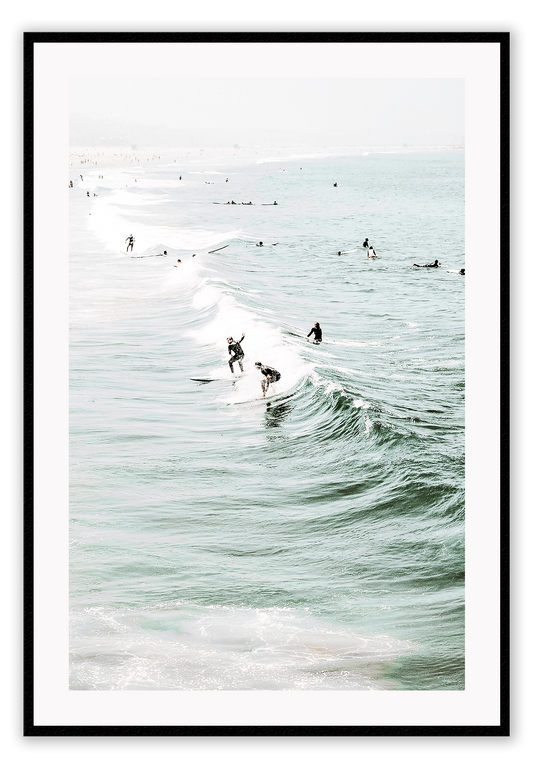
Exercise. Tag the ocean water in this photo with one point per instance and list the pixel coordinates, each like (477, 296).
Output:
(311, 539)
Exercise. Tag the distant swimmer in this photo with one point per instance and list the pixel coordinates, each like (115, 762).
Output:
(260, 244)
(317, 331)
(365, 243)
(370, 253)
(236, 352)
(335, 185)
(339, 253)
(427, 265)
(130, 242)
(462, 271)
(275, 203)
(270, 376)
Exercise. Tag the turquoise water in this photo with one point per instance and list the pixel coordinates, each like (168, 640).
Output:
(313, 539)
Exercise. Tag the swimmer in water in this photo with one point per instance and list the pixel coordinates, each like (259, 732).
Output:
(317, 331)
(270, 376)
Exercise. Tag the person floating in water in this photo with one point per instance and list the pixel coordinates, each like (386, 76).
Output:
(270, 376)
(236, 352)
(317, 331)
(129, 242)
(370, 253)
(365, 243)
(427, 265)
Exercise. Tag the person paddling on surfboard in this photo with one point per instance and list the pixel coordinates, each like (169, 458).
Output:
(427, 265)
(129, 242)
(317, 331)
(236, 352)
(270, 376)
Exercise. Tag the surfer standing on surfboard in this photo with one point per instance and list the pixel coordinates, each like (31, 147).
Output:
(270, 376)
(236, 352)
(129, 242)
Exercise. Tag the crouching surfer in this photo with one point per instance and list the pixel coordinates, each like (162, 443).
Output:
(270, 376)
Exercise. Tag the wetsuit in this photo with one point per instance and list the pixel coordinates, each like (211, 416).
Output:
(271, 376)
(365, 243)
(130, 241)
(317, 331)
(427, 265)
(238, 353)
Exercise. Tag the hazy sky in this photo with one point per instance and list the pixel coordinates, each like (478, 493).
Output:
(211, 111)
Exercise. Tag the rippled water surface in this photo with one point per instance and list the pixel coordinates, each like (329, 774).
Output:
(313, 539)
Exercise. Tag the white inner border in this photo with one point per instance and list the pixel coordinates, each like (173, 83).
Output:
(478, 64)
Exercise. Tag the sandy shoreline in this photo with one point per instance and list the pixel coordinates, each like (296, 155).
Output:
(91, 156)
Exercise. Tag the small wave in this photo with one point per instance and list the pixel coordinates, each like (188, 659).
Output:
(184, 646)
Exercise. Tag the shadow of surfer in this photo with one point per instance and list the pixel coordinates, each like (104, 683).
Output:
(275, 414)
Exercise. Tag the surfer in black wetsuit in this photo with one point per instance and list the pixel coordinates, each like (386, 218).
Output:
(462, 271)
(129, 242)
(365, 243)
(236, 352)
(317, 331)
(270, 376)
(427, 265)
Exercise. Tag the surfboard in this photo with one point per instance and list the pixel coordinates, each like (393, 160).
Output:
(213, 379)
(279, 396)
(217, 249)
(157, 255)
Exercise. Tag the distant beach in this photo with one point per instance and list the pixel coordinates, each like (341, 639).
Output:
(116, 156)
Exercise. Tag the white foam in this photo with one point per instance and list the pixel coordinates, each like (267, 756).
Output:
(225, 647)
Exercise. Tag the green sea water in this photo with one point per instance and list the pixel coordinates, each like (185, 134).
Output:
(313, 539)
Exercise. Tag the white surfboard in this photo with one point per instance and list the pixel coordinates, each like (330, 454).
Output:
(214, 379)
